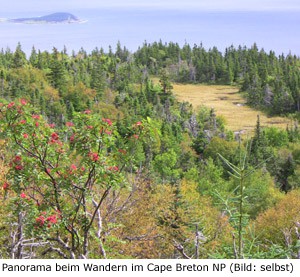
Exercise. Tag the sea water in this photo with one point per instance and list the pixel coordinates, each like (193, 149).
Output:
(277, 31)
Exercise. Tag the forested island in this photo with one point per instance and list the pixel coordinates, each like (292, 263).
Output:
(60, 17)
(99, 159)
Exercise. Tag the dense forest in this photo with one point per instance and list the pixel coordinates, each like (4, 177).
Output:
(99, 159)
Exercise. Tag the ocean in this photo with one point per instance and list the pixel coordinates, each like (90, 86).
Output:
(277, 31)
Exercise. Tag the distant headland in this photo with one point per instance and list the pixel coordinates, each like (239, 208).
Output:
(59, 17)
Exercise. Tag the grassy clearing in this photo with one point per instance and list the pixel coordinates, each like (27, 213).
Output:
(228, 103)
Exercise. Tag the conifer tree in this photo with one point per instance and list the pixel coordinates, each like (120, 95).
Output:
(57, 73)
(165, 82)
(259, 147)
(19, 58)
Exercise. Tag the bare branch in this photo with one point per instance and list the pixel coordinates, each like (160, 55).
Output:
(180, 249)
(57, 250)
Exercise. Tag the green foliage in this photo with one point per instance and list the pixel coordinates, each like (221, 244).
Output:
(220, 146)
(165, 82)
(285, 171)
(60, 177)
(261, 192)
(211, 181)
(105, 162)
(57, 73)
(165, 164)
(260, 150)
(238, 213)
(276, 137)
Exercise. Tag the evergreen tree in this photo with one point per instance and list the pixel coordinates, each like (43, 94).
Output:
(287, 169)
(19, 57)
(165, 82)
(33, 59)
(57, 75)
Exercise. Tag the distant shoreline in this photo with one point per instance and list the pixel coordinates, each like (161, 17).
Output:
(42, 22)
(55, 18)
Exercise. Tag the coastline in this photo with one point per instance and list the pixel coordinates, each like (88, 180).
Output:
(55, 18)
(45, 22)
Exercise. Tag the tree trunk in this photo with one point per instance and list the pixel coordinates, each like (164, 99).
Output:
(18, 251)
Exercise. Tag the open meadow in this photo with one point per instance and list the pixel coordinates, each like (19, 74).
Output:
(229, 103)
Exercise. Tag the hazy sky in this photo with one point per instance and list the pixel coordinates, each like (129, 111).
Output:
(65, 5)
